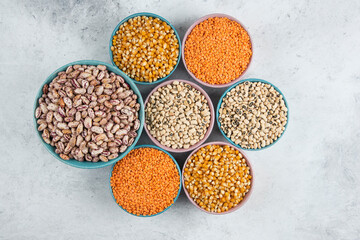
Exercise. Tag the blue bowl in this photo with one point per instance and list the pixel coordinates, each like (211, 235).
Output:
(148, 15)
(180, 183)
(85, 164)
(229, 89)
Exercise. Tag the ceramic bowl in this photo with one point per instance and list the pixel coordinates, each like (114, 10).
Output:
(85, 164)
(180, 183)
(183, 50)
(248, 194)
(221, 100)
(212, 117)
(148, 15)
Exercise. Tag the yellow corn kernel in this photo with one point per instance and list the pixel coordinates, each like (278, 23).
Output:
(214, 179)
(145, 38)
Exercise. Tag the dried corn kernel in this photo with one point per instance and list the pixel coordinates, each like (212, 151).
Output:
(145, 48)
(217, 178)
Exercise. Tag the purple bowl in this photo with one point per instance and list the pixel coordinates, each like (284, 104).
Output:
(212, 117)
(183, 50)
(247, 196)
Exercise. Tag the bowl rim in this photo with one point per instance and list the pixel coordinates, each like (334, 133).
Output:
(212, 117)
(248, 194)
(198, 21)
(235, 85)
(148, 14)
(180, 184)
(85, 164)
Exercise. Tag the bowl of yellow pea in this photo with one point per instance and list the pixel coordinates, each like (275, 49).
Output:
(217, 178)
(146, 47)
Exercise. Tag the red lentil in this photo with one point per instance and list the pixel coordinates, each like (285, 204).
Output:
(145, 182)
(218, 50)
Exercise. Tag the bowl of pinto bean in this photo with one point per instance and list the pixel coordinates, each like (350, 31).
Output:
(88, 114)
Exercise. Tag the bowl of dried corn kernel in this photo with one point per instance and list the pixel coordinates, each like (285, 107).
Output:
(252, 114)
(146, 47)
(217, 178)
(146, 182)
(217, 50)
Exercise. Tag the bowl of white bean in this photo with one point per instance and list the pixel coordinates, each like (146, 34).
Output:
(88, 114)
(252, 114)
(179, 115)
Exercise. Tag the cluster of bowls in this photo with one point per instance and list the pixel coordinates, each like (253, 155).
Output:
(113, 68)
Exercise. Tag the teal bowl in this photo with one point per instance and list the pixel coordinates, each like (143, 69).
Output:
(148, 15)
(180, 182)
(229, 89)
(85, 164)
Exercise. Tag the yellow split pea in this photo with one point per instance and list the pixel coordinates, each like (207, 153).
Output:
(217, 178)
(145, 48)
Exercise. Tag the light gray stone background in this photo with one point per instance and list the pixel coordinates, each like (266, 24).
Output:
(306, 186)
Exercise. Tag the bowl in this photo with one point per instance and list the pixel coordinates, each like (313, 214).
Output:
(148, 15)
(85, 164)
(179, 171)
(221, 100)
(212, 117)
(247, 196)
(183, 50)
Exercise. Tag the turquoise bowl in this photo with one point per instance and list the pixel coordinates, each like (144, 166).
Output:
(229, 89)
(148, 15)
(180, 182)
(85, 164)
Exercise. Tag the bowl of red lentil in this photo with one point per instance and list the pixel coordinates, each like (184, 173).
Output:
(146, 47)
(206, 172)
(146, 182)
(217, 50)
(210, 121)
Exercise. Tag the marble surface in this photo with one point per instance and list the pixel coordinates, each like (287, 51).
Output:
(307, 186)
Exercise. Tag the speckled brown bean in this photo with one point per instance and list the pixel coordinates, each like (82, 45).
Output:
(79, 111)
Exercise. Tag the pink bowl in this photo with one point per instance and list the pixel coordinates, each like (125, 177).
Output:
(212, 117)
(247, 196)
(183, 50)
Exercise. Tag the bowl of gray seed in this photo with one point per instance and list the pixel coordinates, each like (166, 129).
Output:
(179, 115)
(252, 114)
